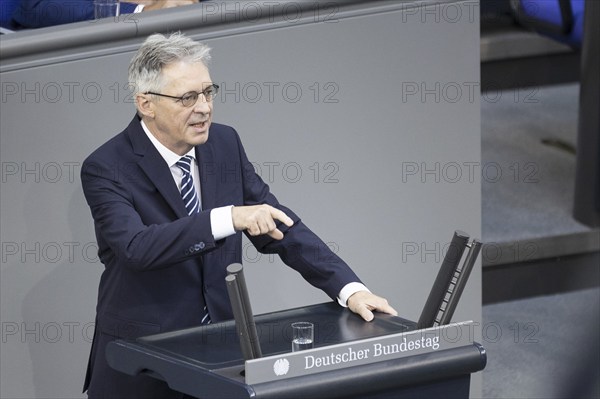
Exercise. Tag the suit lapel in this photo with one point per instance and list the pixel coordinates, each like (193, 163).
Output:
(155, 167)
(208, 174)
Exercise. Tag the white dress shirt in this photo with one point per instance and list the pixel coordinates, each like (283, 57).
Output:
(220, 218)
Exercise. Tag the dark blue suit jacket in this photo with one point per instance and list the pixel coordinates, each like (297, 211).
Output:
(43, 13)
(159, 261)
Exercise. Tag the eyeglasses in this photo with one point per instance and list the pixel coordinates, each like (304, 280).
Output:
(190, 98)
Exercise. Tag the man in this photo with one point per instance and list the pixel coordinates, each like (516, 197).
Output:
(170, 196)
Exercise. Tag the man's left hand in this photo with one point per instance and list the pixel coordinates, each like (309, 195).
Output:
(364, 303)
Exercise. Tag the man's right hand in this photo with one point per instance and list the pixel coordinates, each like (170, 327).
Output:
(259, 219)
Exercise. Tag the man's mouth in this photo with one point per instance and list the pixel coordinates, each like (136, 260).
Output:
(200, 125)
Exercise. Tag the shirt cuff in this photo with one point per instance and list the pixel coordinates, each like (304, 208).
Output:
(349, 290)
(139, 8)
(221, 222)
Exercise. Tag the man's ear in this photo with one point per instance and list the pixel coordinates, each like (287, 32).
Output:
(144, 105)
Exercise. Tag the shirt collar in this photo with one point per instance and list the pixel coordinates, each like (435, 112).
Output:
(169, 156)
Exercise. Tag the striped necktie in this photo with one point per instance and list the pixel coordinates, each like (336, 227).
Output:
(188, 191)
(192, 204)
(205, 317)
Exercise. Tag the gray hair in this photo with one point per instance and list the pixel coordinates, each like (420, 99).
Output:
(158, 51)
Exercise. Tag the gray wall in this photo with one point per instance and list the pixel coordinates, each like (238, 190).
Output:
(367, 125)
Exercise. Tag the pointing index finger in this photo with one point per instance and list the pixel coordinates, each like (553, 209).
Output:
(282, 217)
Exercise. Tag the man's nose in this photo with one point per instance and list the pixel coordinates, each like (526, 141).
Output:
(202, 106)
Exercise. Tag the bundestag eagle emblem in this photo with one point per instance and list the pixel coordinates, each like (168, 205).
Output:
(281, 367)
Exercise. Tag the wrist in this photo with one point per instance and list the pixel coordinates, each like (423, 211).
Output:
(349, 290)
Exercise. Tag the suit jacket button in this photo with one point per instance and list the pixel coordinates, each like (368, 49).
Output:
(199, 247)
